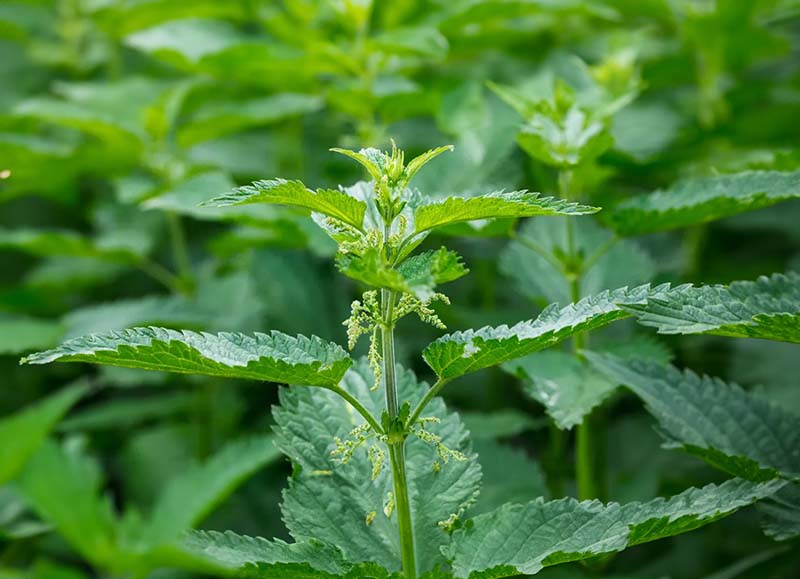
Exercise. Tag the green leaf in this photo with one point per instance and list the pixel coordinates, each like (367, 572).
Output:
(74, 504)
(218, 117)
(525, 538)
(417, 275)
(460, 353)
(702, 200)
(22, 334)
(498, 424)
(509, 475)
(125, 413)
(781, 514)
(741, 433)
(236, 552)
(273, 357)
(193, 493)
(567, 386)
(767, 308)
(22, 433)
(537, 259)
(336, 204)
(495, 205)
(331, 501)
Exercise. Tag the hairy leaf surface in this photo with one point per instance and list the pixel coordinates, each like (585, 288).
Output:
(767, 308)
(701, 200)
(331, 202)
(739, 432)
(460, 353)
(273, 357)
(492, 206)
(331, 501)
(525, 538)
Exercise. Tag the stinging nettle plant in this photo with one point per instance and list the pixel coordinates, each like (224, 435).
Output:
(384, 474)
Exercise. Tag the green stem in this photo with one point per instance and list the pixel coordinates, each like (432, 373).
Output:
(397, 446)
(360, 408)
(429, 395)
(180, 252)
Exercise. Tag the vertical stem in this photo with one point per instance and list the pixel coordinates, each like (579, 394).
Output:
(180, 253)
(397, 444)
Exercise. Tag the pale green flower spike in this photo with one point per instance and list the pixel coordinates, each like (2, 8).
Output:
(388, 505)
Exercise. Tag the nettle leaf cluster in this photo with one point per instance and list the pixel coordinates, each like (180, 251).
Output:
(385, 477)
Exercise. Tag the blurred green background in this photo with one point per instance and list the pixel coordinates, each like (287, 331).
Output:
(118, 117)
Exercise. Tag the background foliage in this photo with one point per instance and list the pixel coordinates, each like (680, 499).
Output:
(118, 117)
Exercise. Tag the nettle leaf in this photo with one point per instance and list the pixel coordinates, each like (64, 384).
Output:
(333, 502)
(463, 352)
(233, 552)
(417, 275)
(767, 308)
(74, 505)
(534, 260)
(22, 433)
(509, 475)
(331, 202)
(497, 205)
(273, 357)
(217, 118)
(741, 433)
(51, 242)
(567, 386)
(702, 200)
(525, 538)
(781, 514)
(195, 492)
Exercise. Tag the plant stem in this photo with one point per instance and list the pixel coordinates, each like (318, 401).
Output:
(180, 253)
(429, 395)
(360, 408)
(397, 446)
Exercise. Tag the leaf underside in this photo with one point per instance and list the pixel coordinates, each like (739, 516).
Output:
(273, 357)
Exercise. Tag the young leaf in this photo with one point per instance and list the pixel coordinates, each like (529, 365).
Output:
(702, 200)
(731, 429)
(525, 538)
(22, 433)
(460, 353)
(273, 357)
(332, 502)
(336, 204)
(433, 214)
(418, 275)
(64, 485)
(767, 308)
(193, 493)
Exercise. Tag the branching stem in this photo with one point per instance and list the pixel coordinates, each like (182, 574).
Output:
(360, 408)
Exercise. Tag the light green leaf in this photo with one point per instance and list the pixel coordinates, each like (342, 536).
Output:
(535, 260)
(496, 205)
(185, 42)
(336, 204)
(767, 308)
(273, 357)
(331, 501)
(196, 491)
(418, 275)
(75, 506)
(525, 538)
(236, 552)
(22, 433)
(22, 334)
(217, 118)
(731, 429)
(702, 200)
(460, 353)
